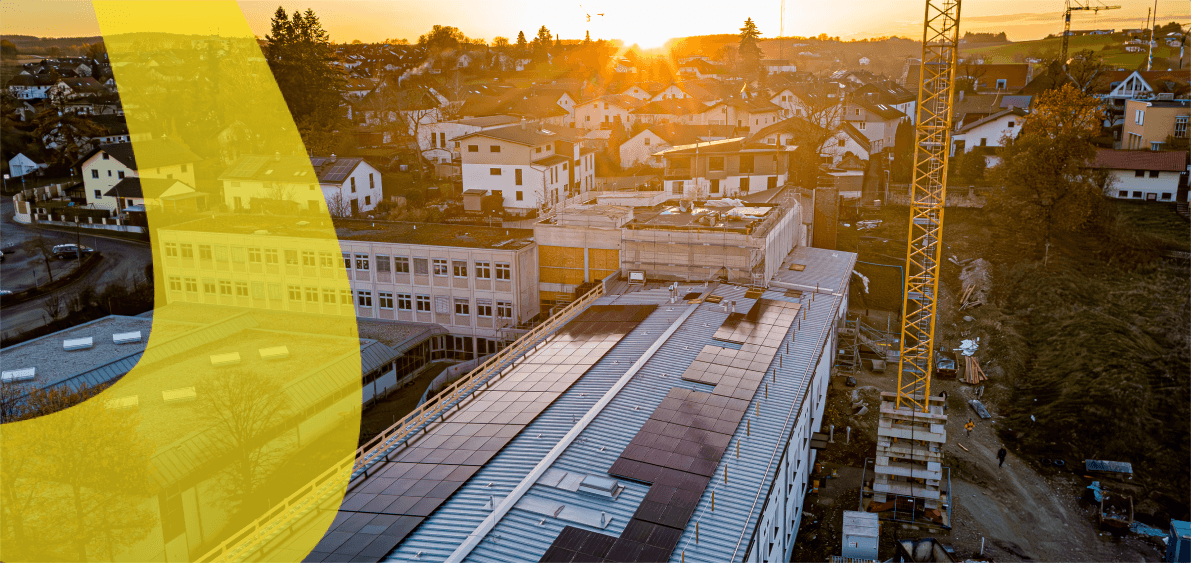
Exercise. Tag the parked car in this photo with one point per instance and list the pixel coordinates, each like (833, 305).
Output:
(945, 365)
(4, 292)
(71, 251)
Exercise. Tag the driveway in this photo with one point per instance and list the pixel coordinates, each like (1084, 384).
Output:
(122, 260)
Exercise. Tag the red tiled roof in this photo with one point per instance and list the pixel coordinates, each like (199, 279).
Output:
(1172, 161)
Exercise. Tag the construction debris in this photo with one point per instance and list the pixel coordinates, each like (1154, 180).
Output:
(979, 408)
(868, 225)
(973, 374)
(968, 347)
(976, 283)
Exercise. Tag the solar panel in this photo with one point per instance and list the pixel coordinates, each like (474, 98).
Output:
(247, 167)
(433, 465)
(340, 170)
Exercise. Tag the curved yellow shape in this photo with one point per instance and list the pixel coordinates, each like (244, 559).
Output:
(246, 396)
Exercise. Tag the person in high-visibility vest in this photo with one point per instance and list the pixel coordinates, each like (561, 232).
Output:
(969, 426)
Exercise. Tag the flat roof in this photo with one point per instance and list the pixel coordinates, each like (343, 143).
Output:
(671, 216)
(54, 364)
(429, 234)
(828, 271)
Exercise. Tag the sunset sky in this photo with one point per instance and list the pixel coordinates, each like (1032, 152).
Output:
(646, 23)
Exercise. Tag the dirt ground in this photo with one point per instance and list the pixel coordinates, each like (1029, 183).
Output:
(1023, 511)
(1021, 514)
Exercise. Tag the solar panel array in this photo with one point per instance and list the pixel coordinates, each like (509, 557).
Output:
(407, 488)
(247, 167)
(678, 449)
(340, 170)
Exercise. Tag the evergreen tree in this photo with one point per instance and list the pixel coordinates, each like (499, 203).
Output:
(522, 44)
(297, 49)
(749, 51)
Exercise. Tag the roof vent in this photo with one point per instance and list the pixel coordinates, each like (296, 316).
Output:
(126, 337)
(78, 343)
(17, 375)
(221, 360)
(274, 353)
(124, 403)
(180, 395)
(333, 157)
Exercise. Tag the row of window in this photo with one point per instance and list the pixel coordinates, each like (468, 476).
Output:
(483, 269)
(385, 300)
(1149, 196)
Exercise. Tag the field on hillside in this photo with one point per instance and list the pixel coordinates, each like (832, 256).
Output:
(1110, 47)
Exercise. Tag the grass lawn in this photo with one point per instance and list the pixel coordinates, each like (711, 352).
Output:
(1110, 47)
(1158, 221)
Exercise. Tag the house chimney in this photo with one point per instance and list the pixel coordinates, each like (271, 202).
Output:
(277, 156)
(522, 123)
(333, 157)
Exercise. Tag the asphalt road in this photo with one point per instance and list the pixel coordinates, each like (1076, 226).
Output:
(122, 259)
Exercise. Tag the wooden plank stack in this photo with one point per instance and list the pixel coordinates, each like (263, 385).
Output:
(972, 372)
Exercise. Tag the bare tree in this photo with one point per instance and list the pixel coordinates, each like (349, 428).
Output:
(402, 108)
(337, 205)
(241, 407)
(40, 245)
(52, 305)
(819, 110)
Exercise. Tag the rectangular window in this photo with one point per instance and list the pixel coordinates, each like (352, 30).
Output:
(312, 295)
(402, 264)
(187, 251)
(1180, 126)
(1001, 83)
(295, 293)
(494, 172)
(440, 267)
(715, 163)
(1166, 195)
(347, 261)
(225, 287)
(383, 264)
(422, 266)
(462, 307)
(1139, 173)
(345, 297)
(209, 286)
(1139, 117)
(484, 270)
(271, 256)
(405, 302)
(308, 258)
(459, 268)
(258, 290)
(744, 184)
(520, 196)
(441, 305)
(503, 271)
(353, 185)
(371, 181)
(362, 262)
(517, 176)
(205, 252)
(483, 308)
(1136, 194)
(676, 187)
(1153, 173)
(473, 148)
(241, 289)
(95, 174)
(386, 299)
(291, 257)
(192, 285)
(326, 259)
(171, 250)
(120, 174)
(504, 309)
(329, 296)
(494, 148)
(1122, 193)
(364, 298)
(423, 302)
(254, 255)
(175, 283)
(238, 254)
(275, 291)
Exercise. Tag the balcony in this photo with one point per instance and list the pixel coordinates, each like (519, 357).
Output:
(678, 173)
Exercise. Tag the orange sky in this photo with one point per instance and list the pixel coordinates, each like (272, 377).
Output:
(646, 23)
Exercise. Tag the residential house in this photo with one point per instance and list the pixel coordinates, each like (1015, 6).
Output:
(109, 129)
(732, 111)
(1152, 123)
(357, 88)
(1003, 78)
(438, 141)
(349, 186)
(878, 122)
(556, 108)
(528, 166)
(106, 165)
(1143, 175)
(707, 92)
(171, 195)
(774, 66)
(725, 168)
(645, 146)
(846, 140)
(644, 91)
(71, 88)
(1117, 86)
(891, 94)
(969, 108)
(30, 87)
(702, 68)
(602, 112)
(21, 165)
(990, 131)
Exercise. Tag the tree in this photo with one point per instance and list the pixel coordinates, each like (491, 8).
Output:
(297, 49)
(97, 51)
(500, 43)
(818, 115)
(749, 52)
(970, 166)
(522, 44)
(8, 48)
(337, 205)
(39, 245)
(903, 152)
(241, 407)
(70, 134)
(441, 38)
(541, 45)
(1045, 170)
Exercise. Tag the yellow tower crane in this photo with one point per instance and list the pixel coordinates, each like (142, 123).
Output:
(1075, 6)
(940, 49)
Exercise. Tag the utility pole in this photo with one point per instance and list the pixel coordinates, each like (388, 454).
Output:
(1153, 24)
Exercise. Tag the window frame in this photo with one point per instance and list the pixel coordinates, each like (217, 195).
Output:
(505, 268)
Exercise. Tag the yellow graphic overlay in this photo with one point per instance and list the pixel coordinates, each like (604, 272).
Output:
(248, 389)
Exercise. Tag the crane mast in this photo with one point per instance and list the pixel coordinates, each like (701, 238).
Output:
(940, 49)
